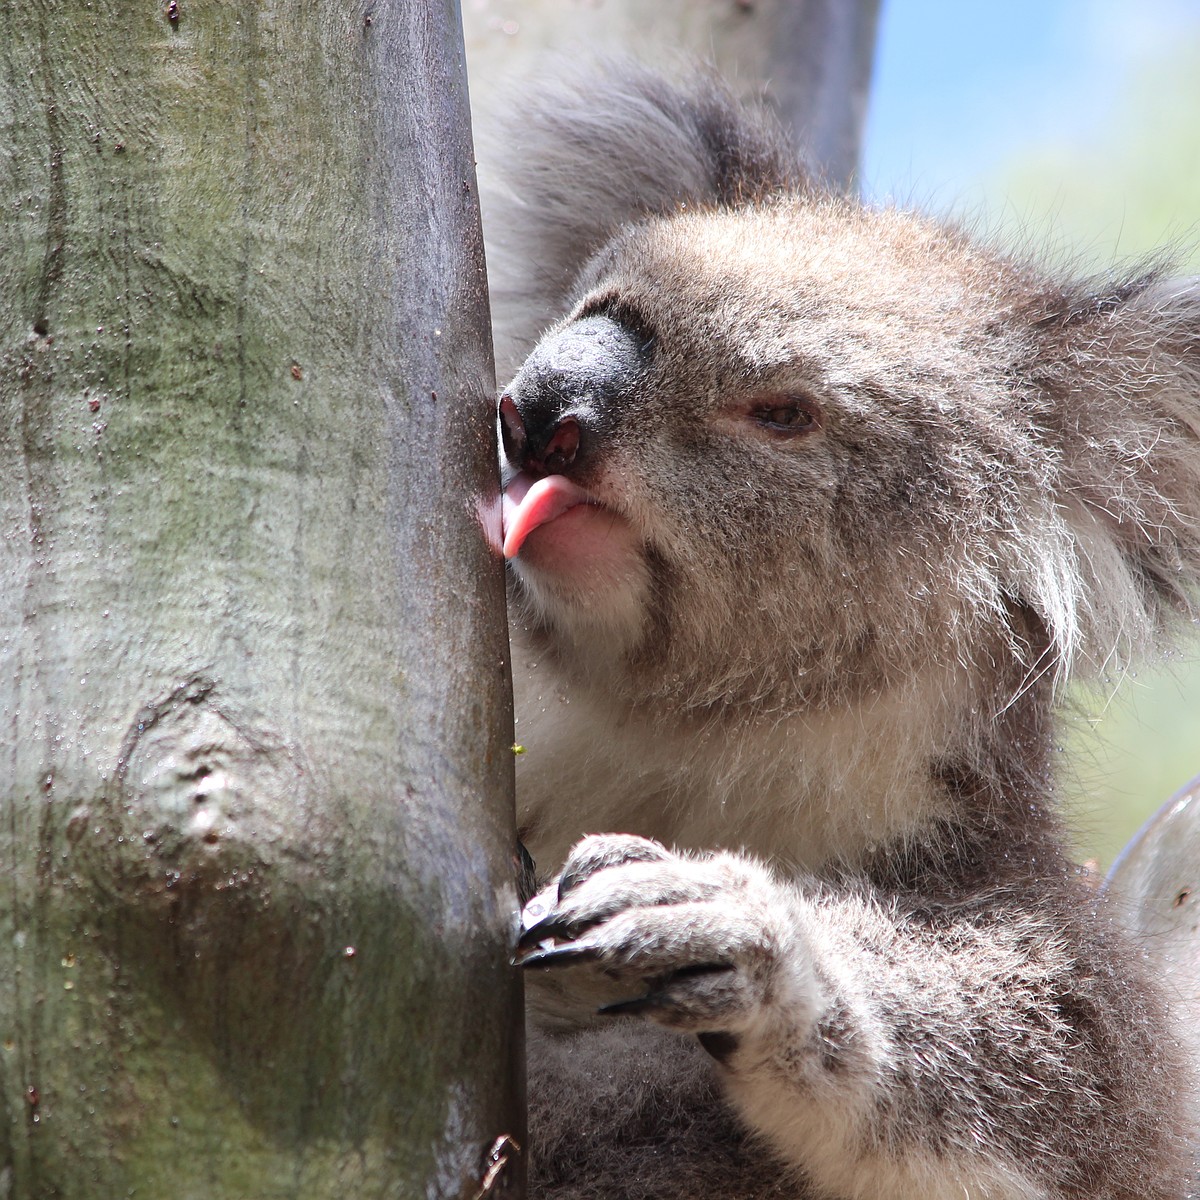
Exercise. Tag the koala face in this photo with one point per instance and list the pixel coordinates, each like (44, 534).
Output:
(776, 454)
(784, 451)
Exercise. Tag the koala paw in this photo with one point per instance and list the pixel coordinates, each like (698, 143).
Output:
(706, 943)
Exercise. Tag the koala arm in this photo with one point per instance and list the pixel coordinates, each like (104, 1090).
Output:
(880, 1049)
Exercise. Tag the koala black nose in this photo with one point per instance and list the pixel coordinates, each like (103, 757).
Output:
(566, 398)
(558, 447)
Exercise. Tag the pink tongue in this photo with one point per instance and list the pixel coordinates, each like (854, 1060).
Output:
(529, 503)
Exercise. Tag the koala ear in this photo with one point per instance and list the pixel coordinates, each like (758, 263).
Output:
(585, 155)
(1118, 368)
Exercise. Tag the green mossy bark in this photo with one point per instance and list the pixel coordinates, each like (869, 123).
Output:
(256, 830)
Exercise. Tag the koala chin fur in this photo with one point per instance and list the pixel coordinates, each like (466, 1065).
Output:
(830, 502)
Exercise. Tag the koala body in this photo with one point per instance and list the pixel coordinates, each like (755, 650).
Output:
(810, 510)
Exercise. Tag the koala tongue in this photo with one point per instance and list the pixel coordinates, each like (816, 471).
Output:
(529, 503)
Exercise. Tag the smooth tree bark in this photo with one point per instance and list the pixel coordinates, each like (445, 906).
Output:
(256, 837)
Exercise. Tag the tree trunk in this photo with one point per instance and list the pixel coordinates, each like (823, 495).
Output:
(814, 55)
(257, 837)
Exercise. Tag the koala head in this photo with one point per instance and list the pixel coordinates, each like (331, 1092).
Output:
(784, 450)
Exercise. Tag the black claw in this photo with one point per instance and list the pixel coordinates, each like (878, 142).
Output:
(551, 927)
(526, 875)
(557, 956)
(660, 997)
(641, 1004)
(583, 865)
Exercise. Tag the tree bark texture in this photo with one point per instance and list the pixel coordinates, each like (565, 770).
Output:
(814, 56)
(256, 836)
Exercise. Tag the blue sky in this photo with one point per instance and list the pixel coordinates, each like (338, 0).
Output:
(961, 89)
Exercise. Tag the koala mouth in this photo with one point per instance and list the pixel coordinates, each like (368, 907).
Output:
(531, 503)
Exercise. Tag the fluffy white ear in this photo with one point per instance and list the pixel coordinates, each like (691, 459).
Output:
(584, 155)
(1120, 367)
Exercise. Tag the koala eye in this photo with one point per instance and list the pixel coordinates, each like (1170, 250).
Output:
(786, 416)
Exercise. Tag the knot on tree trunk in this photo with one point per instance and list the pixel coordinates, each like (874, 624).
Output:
(218, 896)
(203, 801)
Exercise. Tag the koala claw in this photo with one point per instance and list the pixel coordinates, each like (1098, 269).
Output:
(539, 954)
(544, 931)
(675, 996)
(700, 935)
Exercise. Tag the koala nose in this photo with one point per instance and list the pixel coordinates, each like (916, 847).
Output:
(564, 399)
(553, 452)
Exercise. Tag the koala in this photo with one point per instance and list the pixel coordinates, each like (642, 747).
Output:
(810, 510)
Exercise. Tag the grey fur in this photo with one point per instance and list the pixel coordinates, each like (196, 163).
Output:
(820, 664)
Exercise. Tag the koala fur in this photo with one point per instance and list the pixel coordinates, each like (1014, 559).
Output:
(811, 509)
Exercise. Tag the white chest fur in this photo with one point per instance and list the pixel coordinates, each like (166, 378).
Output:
(798, 791)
